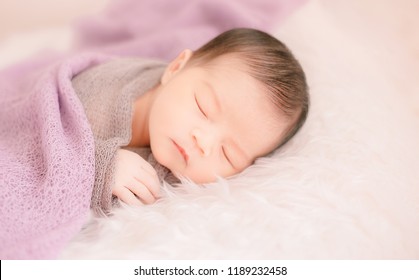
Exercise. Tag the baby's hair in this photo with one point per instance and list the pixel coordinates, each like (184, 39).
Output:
(270, 62)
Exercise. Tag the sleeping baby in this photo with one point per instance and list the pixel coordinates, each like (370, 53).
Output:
(207, 114)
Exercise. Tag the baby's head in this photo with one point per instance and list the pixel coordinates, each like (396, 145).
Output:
(238, 97)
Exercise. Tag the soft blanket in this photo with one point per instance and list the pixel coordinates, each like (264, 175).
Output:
(162, 28)
(46, 158)
(46, 145)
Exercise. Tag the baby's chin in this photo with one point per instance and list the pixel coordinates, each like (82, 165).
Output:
(164, 162)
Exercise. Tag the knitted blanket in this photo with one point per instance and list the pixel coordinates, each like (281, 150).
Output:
(46, 158)
(47, 146)
(107, 92)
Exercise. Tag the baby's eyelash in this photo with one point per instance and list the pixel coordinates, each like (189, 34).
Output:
(199, 107)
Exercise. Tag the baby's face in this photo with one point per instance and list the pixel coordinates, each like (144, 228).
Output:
(212, 121)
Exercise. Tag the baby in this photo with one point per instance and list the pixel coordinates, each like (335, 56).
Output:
(209, 113)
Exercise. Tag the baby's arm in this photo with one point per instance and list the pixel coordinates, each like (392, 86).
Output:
(136, 181)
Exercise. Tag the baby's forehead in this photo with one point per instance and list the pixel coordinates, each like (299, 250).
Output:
(231, 77)
(229, 73)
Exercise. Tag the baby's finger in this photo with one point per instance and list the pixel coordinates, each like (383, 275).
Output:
(151, 182)
(127, 196)
(142, 192)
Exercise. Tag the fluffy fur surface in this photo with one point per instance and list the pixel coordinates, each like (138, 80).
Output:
(346, 187)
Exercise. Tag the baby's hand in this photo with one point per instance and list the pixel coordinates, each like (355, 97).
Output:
(136, 181)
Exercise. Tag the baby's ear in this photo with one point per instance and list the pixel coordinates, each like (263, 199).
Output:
(176, 65)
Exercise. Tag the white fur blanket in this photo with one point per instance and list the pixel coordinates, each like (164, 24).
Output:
(347, 187)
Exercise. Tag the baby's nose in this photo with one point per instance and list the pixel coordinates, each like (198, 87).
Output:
(203, 141)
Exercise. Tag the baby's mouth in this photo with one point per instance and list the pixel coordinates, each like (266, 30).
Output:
(182, 152)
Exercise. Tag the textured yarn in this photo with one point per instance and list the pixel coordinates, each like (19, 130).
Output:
(108, 92)
(59, 135)
(46, 158)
